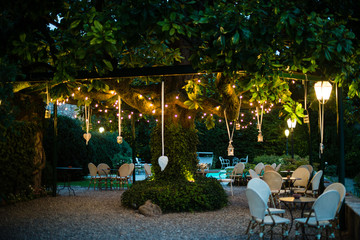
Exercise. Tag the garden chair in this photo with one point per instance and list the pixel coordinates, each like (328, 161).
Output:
(277, 169)
(224, 162)
(104, 172)
(131, 170)
(235, 161)
(322, 214)
(304, 175)
(258, 168)
(123, 175)
(273, 165)
(237, 173)
(274, 180)
(93, 175)
(262, 217)
(340, 188)
(311, 169)
(147, 169)
(253, 174)
(264, 190)
(268, 168)
(314, 184)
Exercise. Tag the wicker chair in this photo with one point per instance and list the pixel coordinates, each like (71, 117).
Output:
(104, 172)
(314, 183)
(237, 173)
(94, 177)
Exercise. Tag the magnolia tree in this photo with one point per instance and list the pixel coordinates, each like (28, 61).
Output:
(252, 49)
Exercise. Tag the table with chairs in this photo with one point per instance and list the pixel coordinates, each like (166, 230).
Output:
(306, 208)
(103, 175)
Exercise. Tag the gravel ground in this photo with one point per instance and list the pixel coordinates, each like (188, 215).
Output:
(94, 214)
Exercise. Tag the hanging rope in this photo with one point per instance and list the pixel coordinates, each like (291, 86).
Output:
(47, 111)
(119, 138)
(259, 119)
(162, 119)
(237, 123)
(87, 135)
(163, 160)
(228, 129)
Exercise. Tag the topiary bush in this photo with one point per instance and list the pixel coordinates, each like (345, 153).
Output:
(204, 194)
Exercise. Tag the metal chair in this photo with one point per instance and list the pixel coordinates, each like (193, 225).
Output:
(224, 162)
(322, 214)
(314, 183)
(258, 210)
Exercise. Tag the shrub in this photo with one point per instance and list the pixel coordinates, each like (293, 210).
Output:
(177, 196)
(17, 159)
(285, 160)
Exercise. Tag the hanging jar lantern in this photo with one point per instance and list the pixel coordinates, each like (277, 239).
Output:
(47, 113)
(237, 125)
(230, 150)
(260, 137)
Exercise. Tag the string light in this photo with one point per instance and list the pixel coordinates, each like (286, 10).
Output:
(176, 115)
(177, 97)
(153, 111)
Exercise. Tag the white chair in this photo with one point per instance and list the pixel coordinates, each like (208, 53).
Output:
(224, 162)
(277, 169)
(253, 174)
(264, 190)
(314, 183)
(261, 215)
(258, 168)
(273, 165)
(324, 210)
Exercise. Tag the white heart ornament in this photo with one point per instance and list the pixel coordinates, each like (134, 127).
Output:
(163, 161)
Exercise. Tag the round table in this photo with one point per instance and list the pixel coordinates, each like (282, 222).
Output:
(291, 200)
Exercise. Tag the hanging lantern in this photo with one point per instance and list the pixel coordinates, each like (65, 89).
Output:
(230, 150)
(306, 118)
(119, 139)
(47, 114)
(237, 125)
(260, 137)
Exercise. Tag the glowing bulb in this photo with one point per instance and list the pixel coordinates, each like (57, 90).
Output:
(189, 117)
(233, 86)
(153, 111)
(177, 97)
(176, 115)
(98, 121)
(96, 105)
(166, 105)
(141, 96)
(217, 108)
(219, 120)
(86, 98)
(79, 88)
(73, 94)
(251, 104)
(240, 96)
(129, 116)
(110, 121)
(140, 115)
(101, 129)
(150, 104)
(106, 110)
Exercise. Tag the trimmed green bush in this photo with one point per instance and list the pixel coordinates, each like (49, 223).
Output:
(204, 194)
(17, 154)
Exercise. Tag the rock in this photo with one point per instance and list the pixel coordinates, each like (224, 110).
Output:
(150, 209)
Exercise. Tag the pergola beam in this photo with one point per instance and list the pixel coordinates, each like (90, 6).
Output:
(150, 72)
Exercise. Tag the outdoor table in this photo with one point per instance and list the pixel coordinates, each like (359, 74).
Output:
(291, 201)
(289, 181)
(67, 177)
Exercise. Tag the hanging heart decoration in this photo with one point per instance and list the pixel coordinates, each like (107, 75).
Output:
(163, 161)
(87, 137)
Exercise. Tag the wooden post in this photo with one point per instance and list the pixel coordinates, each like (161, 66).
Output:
(55, 155)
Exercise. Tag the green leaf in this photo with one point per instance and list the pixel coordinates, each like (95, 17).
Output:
(339, 48)
(22, 37)
(108, 64)
(222, 40)
(98, 25)
(236, 38)
(172, 31)
(173, 16)
(74, 24)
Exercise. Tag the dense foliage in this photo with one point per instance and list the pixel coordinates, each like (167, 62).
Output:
(203, 194)
(17, 160)
(180, 148)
